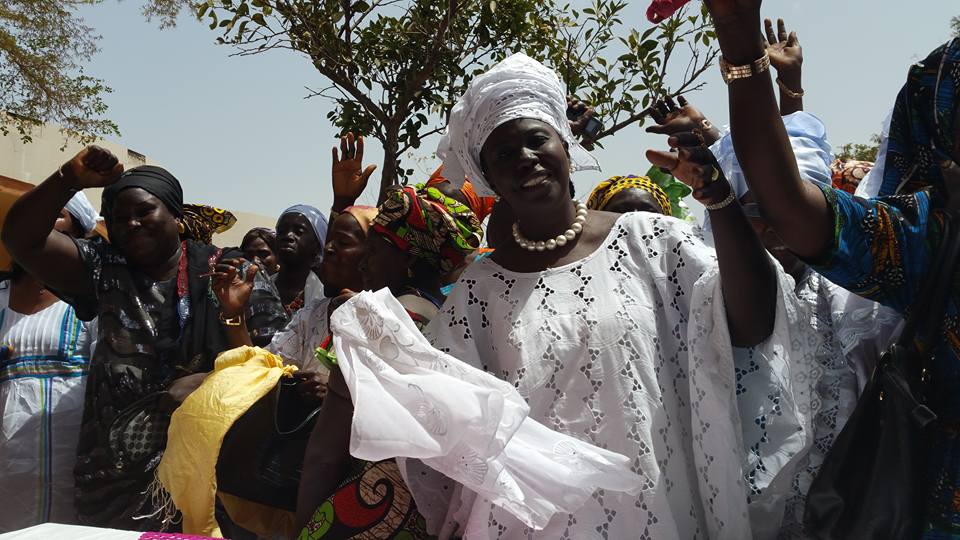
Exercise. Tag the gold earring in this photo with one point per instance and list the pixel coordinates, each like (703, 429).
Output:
(181, 227)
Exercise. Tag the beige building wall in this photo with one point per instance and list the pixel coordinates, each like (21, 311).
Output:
(34, 161)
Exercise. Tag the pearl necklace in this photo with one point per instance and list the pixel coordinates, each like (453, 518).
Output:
(560, 241)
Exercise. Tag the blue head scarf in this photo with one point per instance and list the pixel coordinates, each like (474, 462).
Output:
(316, 218)
(922, 131)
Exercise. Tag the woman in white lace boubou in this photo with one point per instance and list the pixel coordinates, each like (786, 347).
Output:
(614, 328)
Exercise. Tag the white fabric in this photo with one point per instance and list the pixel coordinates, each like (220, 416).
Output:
(80, 208)
(517, 87)
(627, 349)
(50, 531)
(411, 400)
(302, 335)
(869, 187)
(808, 137)
(41, 405)
(780, 463)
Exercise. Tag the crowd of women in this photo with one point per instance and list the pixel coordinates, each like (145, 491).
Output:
(484, 356)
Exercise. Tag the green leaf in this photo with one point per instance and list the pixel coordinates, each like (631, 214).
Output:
(258, 18)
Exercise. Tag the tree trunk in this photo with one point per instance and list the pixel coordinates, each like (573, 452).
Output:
(391, 161)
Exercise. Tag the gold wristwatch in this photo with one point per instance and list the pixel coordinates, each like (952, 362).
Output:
(731, 73)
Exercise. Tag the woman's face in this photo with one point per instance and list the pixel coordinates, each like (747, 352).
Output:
(633, 200)
(143, 229)
(296, 240)
(527, 163)
(346, 246)
(257, 250)
(385, 265)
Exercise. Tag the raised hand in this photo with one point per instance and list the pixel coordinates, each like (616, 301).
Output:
(93, 166)
(686, 118)
(349, 177)
(786, 55)
(721, 9)
(232, 289)
(694, 165)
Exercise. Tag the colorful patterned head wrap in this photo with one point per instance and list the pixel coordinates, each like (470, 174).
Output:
(202, 221)
(611, 187)
(922, 127)
(847, 175)
(430, 226)
(481, 206)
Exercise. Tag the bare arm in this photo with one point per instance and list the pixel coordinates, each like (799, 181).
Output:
(747, 277)
(327, 457)
(786, 56)
(28, 230)
(796, 209)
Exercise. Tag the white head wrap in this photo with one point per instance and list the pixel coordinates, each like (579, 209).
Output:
(517, 87)
(808, 137)
(82, 211)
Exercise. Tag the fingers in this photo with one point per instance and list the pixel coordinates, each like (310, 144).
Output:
(359, 153)
(99, 159)
(768, 28)
(251, 274)
(793, 40)
(657, 117)
(781, 30)
(344, 151)
(686, 138)
(683, 101)
(368, 171)
(671, 106)
(663, 109)
(336, 156)
(664, 160)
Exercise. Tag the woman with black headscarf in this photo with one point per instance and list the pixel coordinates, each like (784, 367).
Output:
(160, 326)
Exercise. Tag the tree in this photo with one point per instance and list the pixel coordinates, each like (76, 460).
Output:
(621, 88)
(395, 67)
(955, 26)
(858, 151)
(43, 44)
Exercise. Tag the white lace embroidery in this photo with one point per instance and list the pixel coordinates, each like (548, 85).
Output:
(627, 349)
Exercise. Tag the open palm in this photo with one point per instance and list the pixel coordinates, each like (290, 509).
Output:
(349, 176)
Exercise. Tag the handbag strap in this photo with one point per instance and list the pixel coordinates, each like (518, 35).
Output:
(935, 293)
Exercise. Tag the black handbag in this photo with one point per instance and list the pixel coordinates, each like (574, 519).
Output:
(261, 457)
(871, 483)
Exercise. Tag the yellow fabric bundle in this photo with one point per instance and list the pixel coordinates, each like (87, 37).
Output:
(188, 470)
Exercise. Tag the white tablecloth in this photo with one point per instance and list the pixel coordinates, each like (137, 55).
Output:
(53, 531)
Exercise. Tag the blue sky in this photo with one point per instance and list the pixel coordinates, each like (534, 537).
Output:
(239, 133)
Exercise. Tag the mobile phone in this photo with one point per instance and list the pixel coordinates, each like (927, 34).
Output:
(593, 126)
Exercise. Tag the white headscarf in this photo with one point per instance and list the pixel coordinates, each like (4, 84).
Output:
(517, 87)
(82, 211)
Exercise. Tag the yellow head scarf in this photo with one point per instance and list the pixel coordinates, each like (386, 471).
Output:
(609, 188)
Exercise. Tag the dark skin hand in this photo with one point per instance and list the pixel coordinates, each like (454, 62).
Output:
(349, 176)
(29, 233)
(748, 279)
(685, 118)
(796, 210)
(786, 56)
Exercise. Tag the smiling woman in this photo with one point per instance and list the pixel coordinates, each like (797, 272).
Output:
(612, 328)
(159, 328)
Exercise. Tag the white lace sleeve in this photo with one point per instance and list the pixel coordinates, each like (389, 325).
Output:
(460, 421)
